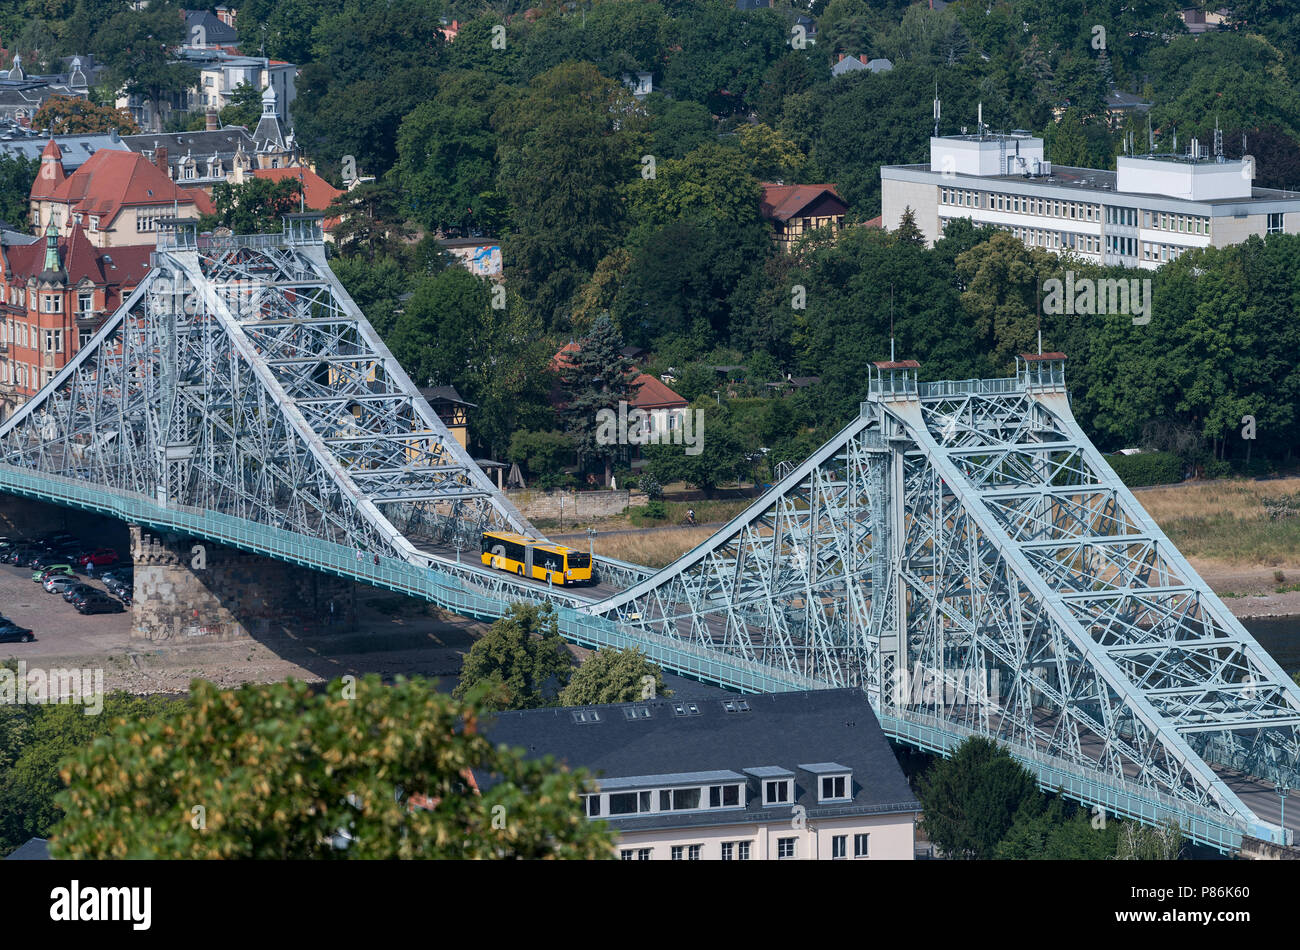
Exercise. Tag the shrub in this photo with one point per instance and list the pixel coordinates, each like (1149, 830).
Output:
(1147, 468)
(655, 510)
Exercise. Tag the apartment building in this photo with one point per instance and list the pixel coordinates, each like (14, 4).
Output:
(54, 296)
(774, 776)
(1150, 210)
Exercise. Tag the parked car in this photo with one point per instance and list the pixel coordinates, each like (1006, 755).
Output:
(42, 574)
(103, 604)
(58, 583)
(45, 558)
(74, 592)
(100, 557)
(12, 633)
(120, 585)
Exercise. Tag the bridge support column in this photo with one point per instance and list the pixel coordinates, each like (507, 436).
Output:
(192, 590)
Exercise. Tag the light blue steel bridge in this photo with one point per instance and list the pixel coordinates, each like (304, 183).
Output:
(959, 550)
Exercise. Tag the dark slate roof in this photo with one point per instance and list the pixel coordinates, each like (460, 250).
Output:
(75, 149)
(215, 32)
(437, 394)
(202, 145)
(785, 730)
(36, 849)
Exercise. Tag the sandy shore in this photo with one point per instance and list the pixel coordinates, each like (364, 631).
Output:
(1252, 591)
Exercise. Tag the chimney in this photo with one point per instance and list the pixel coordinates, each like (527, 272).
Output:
(213, 124)
(863, 58)
(841, 59)
(160, 159)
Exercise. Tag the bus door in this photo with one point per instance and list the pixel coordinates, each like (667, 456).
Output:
(528, 560)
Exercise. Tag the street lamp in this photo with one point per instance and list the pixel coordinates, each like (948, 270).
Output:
(591, 543)
(1282, 792)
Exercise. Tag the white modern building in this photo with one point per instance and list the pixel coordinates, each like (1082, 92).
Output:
(774, 776)
(1150, 210)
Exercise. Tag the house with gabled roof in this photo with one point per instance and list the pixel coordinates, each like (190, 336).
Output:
(118, 197)
(796, 210)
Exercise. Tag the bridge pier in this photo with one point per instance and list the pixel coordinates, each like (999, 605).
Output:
(193, 590)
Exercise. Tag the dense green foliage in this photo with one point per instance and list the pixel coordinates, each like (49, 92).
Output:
(520, 663)
(288, 772)
(1147, 468)
(646, 210)
(34, 739)
(982, 804)
(614, 676)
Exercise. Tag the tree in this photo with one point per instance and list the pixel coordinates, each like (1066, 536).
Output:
(256, 206)
(372, 220)
(970, 801)
(446, 156)
(283, 771)
(714, 181)
(16, 177)
(724, 54)
(69, 115)
(34, 738)
(1138, 842)
(1002, 277)
(567, 145)
(440, 330)
(614, 676)
(597, 378)
(543, 454)
(520, 663)
(136, 45)
(243, 107)
(721, 457)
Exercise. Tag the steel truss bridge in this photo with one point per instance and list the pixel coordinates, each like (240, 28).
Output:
(960, 550)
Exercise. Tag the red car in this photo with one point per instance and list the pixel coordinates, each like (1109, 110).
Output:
(100, 557)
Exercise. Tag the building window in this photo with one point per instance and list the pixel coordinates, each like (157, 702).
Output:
(724, 796)
(860, 846)
(839, 846)
(693, 852)
(834, 786)
(53, 341)
(593, 805)
(1275, 223)
(635, 854)
(777, 792)
(51, 303)
(678, 852)
(83, 338)
(785, 847)
(735, 850)
(86, 301)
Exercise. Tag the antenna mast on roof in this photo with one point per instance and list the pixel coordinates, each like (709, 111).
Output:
(936, 110)
(1218, 140)
(1151, 137)
(979, 119)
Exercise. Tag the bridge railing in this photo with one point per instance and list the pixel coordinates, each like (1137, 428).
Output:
(975, 387)
(1198, 823)
(455, 593)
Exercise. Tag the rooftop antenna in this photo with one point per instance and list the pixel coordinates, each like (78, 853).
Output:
(1151, 137)
(979, 119)
(1218, 140)
(1175, 140)
(891, 323)
(936, 110)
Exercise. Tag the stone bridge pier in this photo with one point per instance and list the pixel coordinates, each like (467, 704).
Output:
(192, 590)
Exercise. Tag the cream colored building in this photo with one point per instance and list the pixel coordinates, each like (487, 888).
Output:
(1150, 210)
(775, 776)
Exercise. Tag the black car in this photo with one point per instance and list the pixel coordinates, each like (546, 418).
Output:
(12, 633)
(103, 604)
(78, 590)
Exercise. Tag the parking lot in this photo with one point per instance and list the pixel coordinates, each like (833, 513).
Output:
(58, 627)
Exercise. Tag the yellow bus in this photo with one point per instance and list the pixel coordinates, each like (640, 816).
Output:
(529, 557)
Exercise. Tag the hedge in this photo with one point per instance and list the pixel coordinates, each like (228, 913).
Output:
(1147, 468)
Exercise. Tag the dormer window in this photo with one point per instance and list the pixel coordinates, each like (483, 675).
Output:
(834, 782)
(775, 784)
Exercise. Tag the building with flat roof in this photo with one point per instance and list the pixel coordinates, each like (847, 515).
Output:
(791, 776)
(1150, 210)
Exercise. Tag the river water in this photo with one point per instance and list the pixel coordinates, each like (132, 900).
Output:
(1280, 636)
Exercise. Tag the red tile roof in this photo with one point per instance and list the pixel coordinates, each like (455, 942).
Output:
(563, 359)
(121, 267)
(113, 179)
(651, 393)
(784, 202)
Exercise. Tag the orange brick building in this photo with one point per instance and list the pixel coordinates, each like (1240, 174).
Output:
(54, 296)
